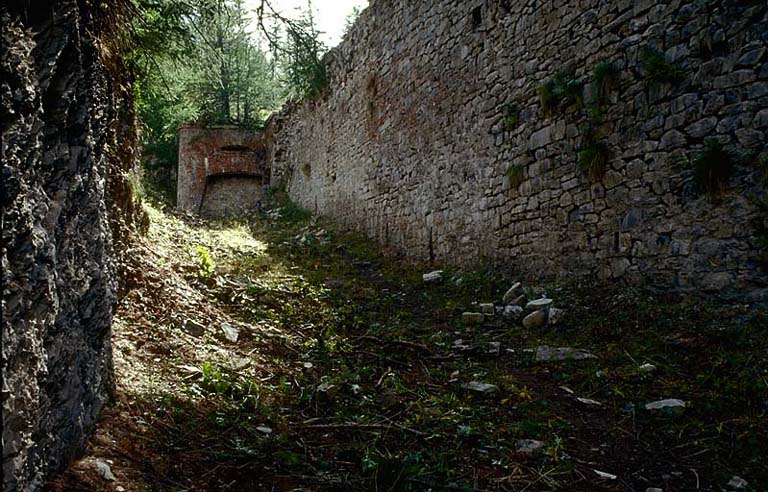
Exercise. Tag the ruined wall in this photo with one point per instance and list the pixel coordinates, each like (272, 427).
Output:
(222, 170)
(410, 145)
(66, 132)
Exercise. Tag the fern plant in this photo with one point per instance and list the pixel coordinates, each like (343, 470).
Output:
(205, 267)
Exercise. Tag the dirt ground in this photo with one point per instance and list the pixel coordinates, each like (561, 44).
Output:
(278, 354)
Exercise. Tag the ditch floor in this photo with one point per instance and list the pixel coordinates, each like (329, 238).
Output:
(279, 354)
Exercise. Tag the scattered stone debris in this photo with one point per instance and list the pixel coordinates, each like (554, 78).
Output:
(193, 328)
(589, 402)
(653, 489)
(473, 318)
(488, 309)
(482, 389)
(549, 354)
(264, 429)
(672, 406)
(231, 333)
(536, 319)
(513, 293)
(494, 348)
(435, 276)
(104, 471)
(604, 475)
(646, 368)
(512, 313)
(738, 483)
(555, 316)
(529, 446)
(542, 304)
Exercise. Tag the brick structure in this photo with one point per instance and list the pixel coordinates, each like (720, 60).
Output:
(222, 170)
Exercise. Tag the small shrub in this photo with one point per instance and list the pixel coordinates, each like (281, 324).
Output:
(657, 69)
(511, 116)
(713, 168)
(560, 91)
(205, 266)
(515, 175)
(604, 77)
(593, 158)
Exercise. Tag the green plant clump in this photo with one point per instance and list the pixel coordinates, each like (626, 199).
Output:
(515, 175)
(205, 267)
(593, 158)
(604, 77)
(562, 90)
(713, 168)
(511, 116)
(658, 69)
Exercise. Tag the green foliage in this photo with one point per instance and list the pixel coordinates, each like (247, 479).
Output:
(604, 76)
(657, 69)
(593, 157)
(713, 168)
(205, 267)
(510, 116)
(515, 175)
(559, 92)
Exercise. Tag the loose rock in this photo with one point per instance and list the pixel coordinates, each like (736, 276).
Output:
(555, 316)
(472, 318)
(672, 406)
(193, 328)
(435, 276)
(512, 313)
(646, 368)
(513, 293)
(548, 354)
(529, 446)
(738, 483)
(488, 309)
(536, 319)
(231, 333)
(482, 389)
(542, 304)
(104, 471)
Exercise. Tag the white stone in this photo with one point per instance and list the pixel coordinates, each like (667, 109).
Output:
(513, 293)
(589, 402)
(646, 368)
(231, 333)
(670, 405)
(555, 316)
(548, 354)
(435, 276)
(539, 304)
(104, 471)
(512, 312)
(484, 389)
(529, 446)
(737, 483)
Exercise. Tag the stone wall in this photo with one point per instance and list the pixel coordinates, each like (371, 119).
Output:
(67, 130)
(222, 170)
(432, 138)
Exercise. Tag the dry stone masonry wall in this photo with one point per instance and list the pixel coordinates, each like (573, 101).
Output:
(556, 138)
(66, 132)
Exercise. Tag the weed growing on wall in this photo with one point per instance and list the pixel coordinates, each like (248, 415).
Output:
(561, 91)
(658, 69)
(604, 77)
(515, 175)
(510, 116)
(713, 168)
(593, 157)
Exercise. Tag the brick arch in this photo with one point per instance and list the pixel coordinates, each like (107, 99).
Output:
(218, 151)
